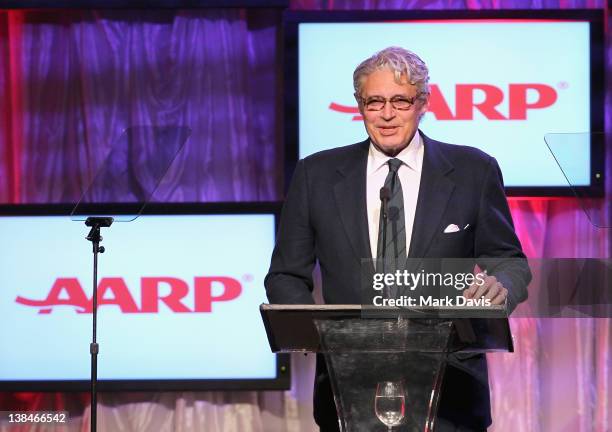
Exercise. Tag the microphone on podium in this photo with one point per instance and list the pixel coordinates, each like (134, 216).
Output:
(385, 196)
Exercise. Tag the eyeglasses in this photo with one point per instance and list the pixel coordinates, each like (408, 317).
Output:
(397, 102)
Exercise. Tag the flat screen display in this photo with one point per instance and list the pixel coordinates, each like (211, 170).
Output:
(178, 296)
(496, 84)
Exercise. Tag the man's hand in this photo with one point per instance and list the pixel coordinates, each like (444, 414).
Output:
(490, 289)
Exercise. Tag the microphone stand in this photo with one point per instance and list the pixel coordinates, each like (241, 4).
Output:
(95, 238)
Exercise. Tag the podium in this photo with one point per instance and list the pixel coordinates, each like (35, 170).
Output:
(386, 368)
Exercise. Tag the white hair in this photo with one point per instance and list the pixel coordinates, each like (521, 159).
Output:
(401, 61)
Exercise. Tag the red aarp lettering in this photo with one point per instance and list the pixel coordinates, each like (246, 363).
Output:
(73, 296)
(204, 297)
(547, 96)
(151, 298)
(465, 104)
(493, 97)
(114, 291)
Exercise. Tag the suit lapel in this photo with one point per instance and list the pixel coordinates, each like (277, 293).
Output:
(350, 195)
(434, 192)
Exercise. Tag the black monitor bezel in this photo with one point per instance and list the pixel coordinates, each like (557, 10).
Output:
(282, 381)
(291, 20)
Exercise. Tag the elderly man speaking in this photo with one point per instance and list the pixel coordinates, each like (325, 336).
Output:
(332, 214)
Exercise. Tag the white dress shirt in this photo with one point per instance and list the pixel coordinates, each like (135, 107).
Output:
(410, 177)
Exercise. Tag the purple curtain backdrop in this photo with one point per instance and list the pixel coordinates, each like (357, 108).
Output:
(77, 79)
(72, 81)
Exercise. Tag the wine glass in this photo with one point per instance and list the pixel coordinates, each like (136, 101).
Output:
(390, 403)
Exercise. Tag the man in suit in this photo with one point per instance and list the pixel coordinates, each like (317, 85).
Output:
(332, 214)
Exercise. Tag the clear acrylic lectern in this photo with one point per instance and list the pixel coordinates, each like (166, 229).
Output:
(386, 371)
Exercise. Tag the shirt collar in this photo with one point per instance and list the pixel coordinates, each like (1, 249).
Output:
(411, 156)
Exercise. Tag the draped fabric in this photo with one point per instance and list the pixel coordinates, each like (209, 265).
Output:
(76, 79)
(73, 80)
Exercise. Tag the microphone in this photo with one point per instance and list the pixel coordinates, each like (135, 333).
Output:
(385, 196)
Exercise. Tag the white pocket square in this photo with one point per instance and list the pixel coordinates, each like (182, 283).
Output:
(451, 229)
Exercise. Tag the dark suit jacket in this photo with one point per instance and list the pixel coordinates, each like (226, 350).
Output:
(324, 218)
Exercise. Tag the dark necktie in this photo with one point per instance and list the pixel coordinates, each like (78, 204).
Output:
(395, 249)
